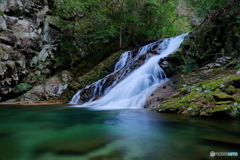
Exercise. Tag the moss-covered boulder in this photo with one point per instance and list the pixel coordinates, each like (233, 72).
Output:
(223, 97)
(230, 90)
(183, 91)
(222, 111)
(172, 106)
(221, 108)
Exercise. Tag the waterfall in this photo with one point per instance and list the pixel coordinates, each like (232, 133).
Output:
(131, 85)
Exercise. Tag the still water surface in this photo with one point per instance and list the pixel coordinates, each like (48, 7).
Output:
(59, 132)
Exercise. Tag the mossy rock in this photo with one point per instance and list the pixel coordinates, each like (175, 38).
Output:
(223, 102)
(195, 106)
(238, 100)
(205, 112)
(55, 21)
(220, 96)
(221, 108)
(213, 85)
(234, 80)
(222, 112)
(230, 90)
(172, 106)
(192, 97)
(192, 110)
(183, 91)
(98, 72)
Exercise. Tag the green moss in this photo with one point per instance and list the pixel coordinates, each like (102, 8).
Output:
(169, 106)
(220, 96)
(221, 108)
(194, 106)
(223, 102)
(234, 77)
(55, 21)
(213, 85)
(238, 100)
(193, 97)
(174, 104)
(230, 90)
(183, 91)
(98, 72)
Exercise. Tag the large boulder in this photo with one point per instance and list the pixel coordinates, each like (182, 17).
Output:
(49, 91)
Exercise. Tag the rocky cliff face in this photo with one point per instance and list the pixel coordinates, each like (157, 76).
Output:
(27, 45)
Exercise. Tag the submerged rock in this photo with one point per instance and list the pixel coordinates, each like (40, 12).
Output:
(224, 140)
(69, 147)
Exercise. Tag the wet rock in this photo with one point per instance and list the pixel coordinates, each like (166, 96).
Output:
(159, 94)
(164, 64)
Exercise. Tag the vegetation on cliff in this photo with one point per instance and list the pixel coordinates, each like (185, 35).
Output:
(103, 27)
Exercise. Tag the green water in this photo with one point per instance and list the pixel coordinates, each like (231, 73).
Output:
(58, 132)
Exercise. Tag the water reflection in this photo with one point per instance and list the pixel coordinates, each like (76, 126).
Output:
(59, 132)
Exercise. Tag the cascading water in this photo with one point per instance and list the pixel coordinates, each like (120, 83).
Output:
(130, 89)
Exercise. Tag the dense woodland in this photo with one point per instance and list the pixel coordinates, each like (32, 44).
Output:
(110, 25)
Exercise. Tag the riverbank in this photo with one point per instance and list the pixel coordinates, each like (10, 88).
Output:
(206, 92)
(32, 103)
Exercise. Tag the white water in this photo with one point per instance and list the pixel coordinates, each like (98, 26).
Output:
(136, 87)
(122, 61)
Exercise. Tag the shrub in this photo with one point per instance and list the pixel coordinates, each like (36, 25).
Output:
(22, 87)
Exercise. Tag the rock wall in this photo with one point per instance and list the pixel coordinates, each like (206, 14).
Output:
(27, 44)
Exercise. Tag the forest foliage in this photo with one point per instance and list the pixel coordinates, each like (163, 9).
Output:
(104, 26)
(124, 21)
(109, 25)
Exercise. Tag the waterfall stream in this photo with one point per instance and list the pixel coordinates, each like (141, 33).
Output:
(130, 88)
